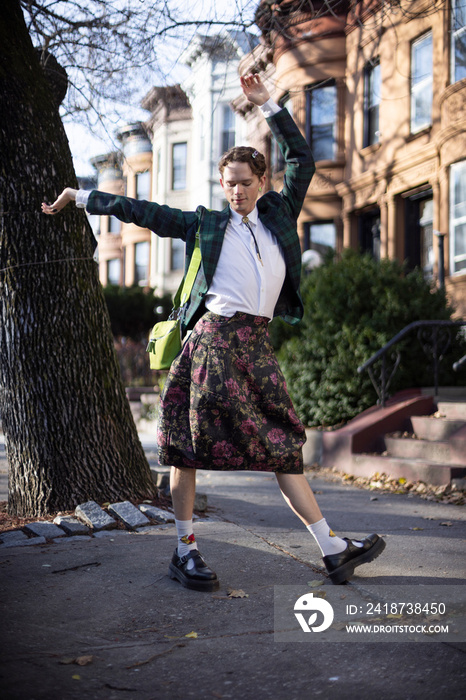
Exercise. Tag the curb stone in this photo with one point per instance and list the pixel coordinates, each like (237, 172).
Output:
(94, 516)
(92, 521)
(45, 529)
(12, 536)
(157, 514)
(72, 526)
(129, 515)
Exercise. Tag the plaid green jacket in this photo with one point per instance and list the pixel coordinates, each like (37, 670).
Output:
(277, 211)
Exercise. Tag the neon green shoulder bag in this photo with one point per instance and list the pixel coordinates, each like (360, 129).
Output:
(165, 337)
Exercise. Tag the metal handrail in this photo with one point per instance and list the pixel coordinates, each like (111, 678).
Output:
(382, 353)
(459, 363)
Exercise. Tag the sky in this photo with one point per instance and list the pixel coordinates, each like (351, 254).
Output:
(86, 143)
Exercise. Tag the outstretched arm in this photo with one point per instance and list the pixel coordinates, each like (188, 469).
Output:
(68, 195)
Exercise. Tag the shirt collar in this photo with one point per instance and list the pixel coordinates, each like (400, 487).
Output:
(252, 216)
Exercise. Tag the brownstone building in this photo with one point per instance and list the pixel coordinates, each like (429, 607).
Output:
(379, 90)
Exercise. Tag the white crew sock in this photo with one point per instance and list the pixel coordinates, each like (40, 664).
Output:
(186, 539)
(328, 542)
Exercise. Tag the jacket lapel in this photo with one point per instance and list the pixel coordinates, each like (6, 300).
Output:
(211, 240)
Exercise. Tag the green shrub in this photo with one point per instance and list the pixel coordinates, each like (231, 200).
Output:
(133, 312)
(354, 306)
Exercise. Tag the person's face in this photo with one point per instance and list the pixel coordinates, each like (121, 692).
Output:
(241, 187)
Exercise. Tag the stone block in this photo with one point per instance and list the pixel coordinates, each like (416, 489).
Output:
(94, 516)
(130, 516)
(72, 526)
(200, 502)
(45, 529)
(157, 514)
(12, 536)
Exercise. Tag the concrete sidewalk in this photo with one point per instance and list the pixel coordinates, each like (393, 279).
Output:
(110, 601)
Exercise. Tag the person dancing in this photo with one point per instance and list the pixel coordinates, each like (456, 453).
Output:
(225, 404)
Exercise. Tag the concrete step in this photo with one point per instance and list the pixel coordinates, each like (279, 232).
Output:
(453, 410)
(411, 469)
(413, 448)
(435, 428)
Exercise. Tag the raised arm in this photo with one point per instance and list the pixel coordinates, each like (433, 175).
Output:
(254, 90)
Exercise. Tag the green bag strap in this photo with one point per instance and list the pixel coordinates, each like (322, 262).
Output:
(184, 290)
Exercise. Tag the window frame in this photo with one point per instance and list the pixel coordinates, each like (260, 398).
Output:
(146, 190)
(371, 108)
(309, 244)
(228, 129)
(456, 221)
(455, 34)
(419, 87)
(138, 279)
(109, 265)
(179, 183)
(310, 90)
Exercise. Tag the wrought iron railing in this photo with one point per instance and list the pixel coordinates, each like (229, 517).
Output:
(459, 363)
(435, 339)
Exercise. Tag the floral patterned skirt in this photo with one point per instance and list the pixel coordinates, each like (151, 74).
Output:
(225, 405)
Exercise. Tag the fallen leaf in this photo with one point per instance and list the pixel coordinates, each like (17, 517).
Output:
(315, 583)
(232, 593)
(76, 677)
(394, 617)
(417, 528)
(191, 635)
(79, 660)
(84, 660)
(447, 523)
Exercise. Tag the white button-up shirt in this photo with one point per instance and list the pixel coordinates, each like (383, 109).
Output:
(242, 281)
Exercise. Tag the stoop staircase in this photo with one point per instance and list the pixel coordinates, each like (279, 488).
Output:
(429, 448)
(416, 436)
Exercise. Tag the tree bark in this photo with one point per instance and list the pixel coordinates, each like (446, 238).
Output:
(70, 435)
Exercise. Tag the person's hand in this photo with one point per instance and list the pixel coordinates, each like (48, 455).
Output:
(68, 195)
(254, 89)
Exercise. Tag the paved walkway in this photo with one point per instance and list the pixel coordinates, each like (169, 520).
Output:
(109, 604)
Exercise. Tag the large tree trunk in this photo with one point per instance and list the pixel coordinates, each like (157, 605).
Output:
(69, 432)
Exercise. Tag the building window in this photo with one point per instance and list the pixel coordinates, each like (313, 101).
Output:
(369, 233)
(321, 119)
(421, 83)
(419, 223)
(458, 41)
(114, 225)
(177, 254)
(320, 236)
(179, 160)
(113, 271)
(277, 159)
(458, 217)
(141, 262)
(228, 129)
(372, 93)
(143, 185)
